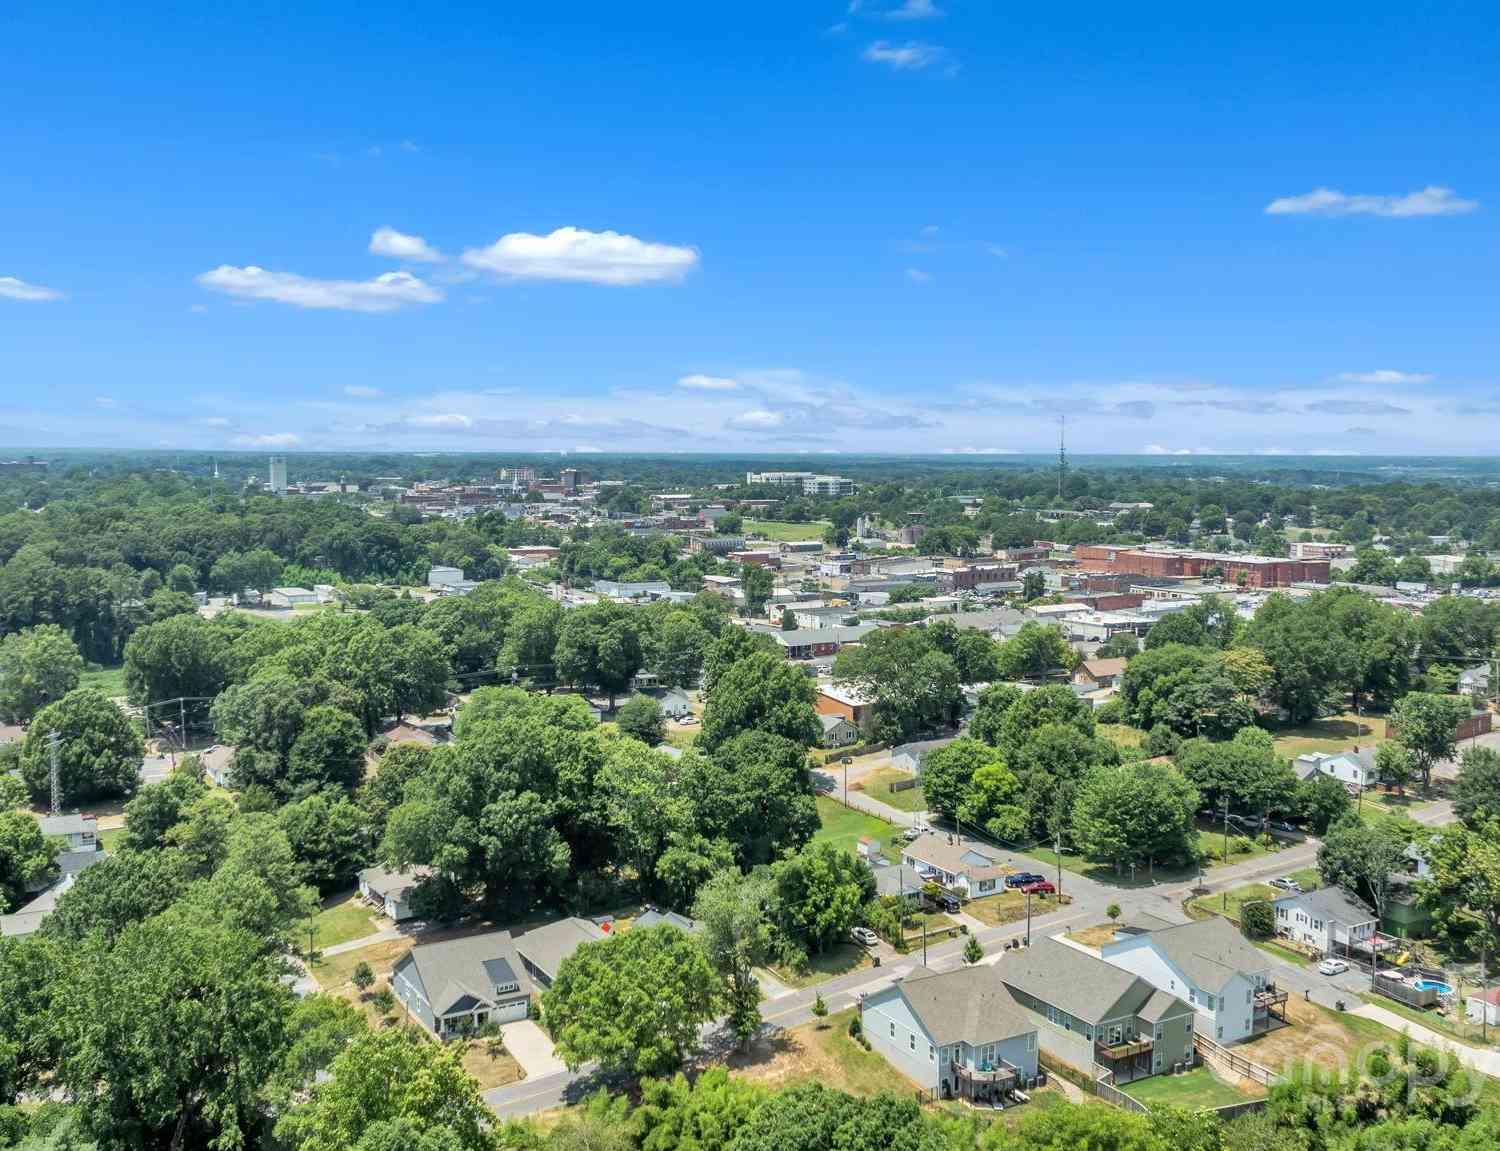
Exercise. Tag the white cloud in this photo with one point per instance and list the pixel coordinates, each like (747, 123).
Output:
(361, 391)
(1385, 376)
(385, 293)
(215, 421)
(270, 440)
(577, 255)
(104, 401)
(915, 10)
(1158, 450)
(917, 276)
(758, 420)
(908, 57)
(440, 420)
(702, 383)
(14, 289)
(1430, 201)
(997, 251)
(400, 246)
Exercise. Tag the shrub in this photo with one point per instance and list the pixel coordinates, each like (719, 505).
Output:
(1257, 921)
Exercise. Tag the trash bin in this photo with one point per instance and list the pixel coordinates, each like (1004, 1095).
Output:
(875, 960)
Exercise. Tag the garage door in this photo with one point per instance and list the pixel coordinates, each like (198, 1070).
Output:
(510, 1012)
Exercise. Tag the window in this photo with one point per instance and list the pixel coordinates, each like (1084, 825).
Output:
(1031, 1041)
(912, 1039)
(931, 1053)
(893, 1031)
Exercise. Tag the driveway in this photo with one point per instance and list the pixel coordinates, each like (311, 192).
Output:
(531, 1048)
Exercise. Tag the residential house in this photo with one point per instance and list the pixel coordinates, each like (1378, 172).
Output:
(1329, 920)
(847, 701)
(911, 756)
(291, 596)
(1098, 1013)
(217, 761)
(838, 731)
(27, 918)
(1354, 769)
(457, 986)
(79, 832)
(1094, 674)
(1406, 915)
(959, 864)
(896, 880)
(655, 917)
(1484, 1007)
(543, 949)
(675, 703)
(1209, 964)
(391, 891)
(805, 643)
(958, 1034)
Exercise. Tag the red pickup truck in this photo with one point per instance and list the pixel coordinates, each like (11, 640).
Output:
(1041, 887)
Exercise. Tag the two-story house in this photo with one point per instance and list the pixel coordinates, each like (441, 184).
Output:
(1208, 963)
(457, 986)
(1095, 1012)
(1329, 920)
(959, 1034)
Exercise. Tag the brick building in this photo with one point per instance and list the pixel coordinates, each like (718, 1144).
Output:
(1243, 570)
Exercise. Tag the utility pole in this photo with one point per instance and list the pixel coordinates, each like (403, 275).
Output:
(1062, 454)
(1226, 827)
(54, 771)
(1028, 919)
(1058, 852)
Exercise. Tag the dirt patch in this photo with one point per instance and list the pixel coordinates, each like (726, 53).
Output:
(1095, 936)
(1316, 1036)
(821, 1053)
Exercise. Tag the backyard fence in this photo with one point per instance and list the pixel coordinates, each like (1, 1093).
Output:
(1227, 1061)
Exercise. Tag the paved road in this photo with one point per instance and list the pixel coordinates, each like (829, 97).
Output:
(1090, 898)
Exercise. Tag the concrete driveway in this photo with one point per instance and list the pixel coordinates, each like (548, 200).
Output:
(528, 1043)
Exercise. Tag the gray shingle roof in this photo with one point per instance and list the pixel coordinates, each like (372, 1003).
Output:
(393, 884)
(1083, 986)
(958, 857)
(473, 967)
(1332, 904)
(653, 917)
(1209, 952)
(1161, 1005)
(547, 946)
(971, 1005)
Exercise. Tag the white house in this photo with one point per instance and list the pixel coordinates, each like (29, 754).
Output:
(80, 832)
(959, 1034)
(956, 863)
(1328, 919)
(1209, 964)
(390, 891)
(838, 731)
(1354, 769)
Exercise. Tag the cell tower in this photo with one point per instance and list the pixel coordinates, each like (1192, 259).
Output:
(1062, 454)
(54, 772)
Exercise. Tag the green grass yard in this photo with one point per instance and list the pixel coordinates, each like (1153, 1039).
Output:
(1122, 735)
(1335, 733)
(109, 839)
(1010, 907)
(1228, 903)
(783, 532)
(877, 785)
(840, 959)
(109, 680)
(843, 826)
(345, 920)
(1196, 1090)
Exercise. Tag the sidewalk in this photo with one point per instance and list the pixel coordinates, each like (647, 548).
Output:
(1480, 1059)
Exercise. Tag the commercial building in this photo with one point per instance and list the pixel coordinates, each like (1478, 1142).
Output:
(1242, 570)
(278, 475)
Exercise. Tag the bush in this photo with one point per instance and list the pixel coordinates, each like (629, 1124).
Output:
(1162, 740)
(1241, 844)
(641, 717)
(1257, 921)
(1112, 711)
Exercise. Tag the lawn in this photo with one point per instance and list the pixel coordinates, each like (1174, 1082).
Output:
(1010, 907)
(1335, 733)
(109, 680)
(843, 826)
(877, 785)
(1375, 805)
(1104, 873)
(1096, 936)
(1122, 735)
(490, 1070)
(339, 922)
(1228, 903)
(109, 838)
(783, 532)
(1285, 954)
(820, 1052)
(840, 959)
(334, 974)
(1197, 1090)
(1460, 1029)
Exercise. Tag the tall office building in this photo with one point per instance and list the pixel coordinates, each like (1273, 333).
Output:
(278, 475)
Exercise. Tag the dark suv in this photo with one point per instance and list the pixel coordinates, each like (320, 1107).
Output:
(1022, 878)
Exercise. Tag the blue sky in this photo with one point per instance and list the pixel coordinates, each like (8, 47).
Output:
(898, 226)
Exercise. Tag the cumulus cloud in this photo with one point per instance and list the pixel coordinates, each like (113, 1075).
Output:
(917, 276)
(701, 383)
(1159, 450)
(455, 420)
(574, 254)
(361, 391)
(14, 289)
(911, 56)
(269, 440)
(1430, 201)
(1358, 408)
(385, 293)
(215, 421)
(1385, 376)
(400, 246)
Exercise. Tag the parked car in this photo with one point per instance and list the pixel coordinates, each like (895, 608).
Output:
(1332, 967)
(1040, 887)
(864, 936)
(1022, 878)
(1286, 883)
(949, 902)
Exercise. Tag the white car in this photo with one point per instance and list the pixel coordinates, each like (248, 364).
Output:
(1287, 883)
(1332, 967)
(864, 936)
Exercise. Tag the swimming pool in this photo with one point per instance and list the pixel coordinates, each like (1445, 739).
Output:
(1432, 985)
